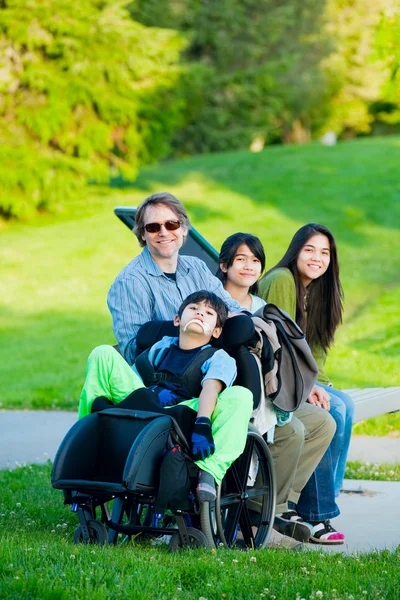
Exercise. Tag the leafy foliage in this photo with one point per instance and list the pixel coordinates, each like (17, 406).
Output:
(82, 88)
(256, 72)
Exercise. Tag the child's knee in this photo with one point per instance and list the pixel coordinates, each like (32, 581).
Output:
(238, 396)
(100, 353)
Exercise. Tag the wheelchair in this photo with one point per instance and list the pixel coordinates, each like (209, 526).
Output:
(108, 466)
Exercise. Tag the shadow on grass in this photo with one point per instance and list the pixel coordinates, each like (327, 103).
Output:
(43, 357)
(383, 342)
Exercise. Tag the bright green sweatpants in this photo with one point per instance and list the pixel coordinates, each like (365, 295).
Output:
(109, 375)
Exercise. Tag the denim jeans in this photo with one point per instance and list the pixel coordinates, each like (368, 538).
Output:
(317, 500)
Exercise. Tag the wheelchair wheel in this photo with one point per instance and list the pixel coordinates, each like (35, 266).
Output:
(97, 533)
(197, 539)
(245, 505)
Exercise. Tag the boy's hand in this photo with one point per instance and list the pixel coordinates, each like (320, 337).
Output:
(202, 439)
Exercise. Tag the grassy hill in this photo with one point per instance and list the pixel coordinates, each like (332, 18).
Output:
(55, 273)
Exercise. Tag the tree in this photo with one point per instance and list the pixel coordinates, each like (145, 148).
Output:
(254, 68)
(83, 89)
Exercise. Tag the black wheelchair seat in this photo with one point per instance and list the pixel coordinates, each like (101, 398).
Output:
(114, 451)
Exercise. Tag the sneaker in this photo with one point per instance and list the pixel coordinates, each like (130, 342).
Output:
(292, 525)
(324, 533)
(279, 541)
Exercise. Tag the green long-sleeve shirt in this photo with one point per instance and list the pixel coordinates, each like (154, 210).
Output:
(279, 288)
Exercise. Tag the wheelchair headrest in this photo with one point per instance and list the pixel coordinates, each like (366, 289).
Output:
(237, 331)
(152, 332)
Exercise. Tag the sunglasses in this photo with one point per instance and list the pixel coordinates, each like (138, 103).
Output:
(156, 227)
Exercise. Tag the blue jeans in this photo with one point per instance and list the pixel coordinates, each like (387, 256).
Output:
(317, 500)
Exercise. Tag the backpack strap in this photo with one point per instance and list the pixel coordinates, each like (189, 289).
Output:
(191, 379)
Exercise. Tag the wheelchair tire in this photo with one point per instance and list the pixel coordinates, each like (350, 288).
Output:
(97, 533)
(197, 539)
(243, 515)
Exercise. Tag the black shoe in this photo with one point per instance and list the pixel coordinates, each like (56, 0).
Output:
(292, 525)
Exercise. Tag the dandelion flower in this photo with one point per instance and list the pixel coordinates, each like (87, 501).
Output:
(253, 559)
(72, 557)
(319, 594)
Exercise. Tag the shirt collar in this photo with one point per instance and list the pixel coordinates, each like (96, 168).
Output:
(152, 267)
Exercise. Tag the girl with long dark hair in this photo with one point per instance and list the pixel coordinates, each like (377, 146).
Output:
(300, 440)
(306, 284)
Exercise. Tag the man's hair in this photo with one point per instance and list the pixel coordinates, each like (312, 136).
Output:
(159, 198)
(211, 300)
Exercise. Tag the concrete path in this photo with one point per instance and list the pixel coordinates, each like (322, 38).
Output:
(31, 436)
(370, 515)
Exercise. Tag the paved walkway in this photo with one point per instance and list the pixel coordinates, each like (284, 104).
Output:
(370, 515)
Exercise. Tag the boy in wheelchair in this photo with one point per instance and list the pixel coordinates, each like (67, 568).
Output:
(186, 371)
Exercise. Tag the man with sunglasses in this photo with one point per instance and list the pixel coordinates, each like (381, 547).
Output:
(154, 284)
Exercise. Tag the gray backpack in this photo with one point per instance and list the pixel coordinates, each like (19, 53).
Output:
(297, 370)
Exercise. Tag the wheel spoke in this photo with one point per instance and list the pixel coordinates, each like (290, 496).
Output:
(231, 523)
(244, 464)
(256, 492)
(230, 499)
(246, 528)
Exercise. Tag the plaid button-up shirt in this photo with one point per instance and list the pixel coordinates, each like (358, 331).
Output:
(142, 292)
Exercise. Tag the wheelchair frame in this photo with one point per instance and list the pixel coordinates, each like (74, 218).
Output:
(243, 514)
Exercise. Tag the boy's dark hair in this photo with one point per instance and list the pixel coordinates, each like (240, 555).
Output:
(211, 300)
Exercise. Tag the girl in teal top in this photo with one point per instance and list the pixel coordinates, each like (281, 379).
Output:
(306, 284)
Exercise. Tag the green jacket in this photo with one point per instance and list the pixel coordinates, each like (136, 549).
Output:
(279, 288)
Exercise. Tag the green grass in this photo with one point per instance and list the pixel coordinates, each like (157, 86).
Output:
(374, 472)
(56, 272)
(38, 560)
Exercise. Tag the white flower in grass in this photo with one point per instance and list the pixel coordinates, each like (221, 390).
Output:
(319, 594)
(178, 589)
(209, 584)
(72, 557)
(53, 531)
(18, 505)
(253, 559)
(235, 560)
